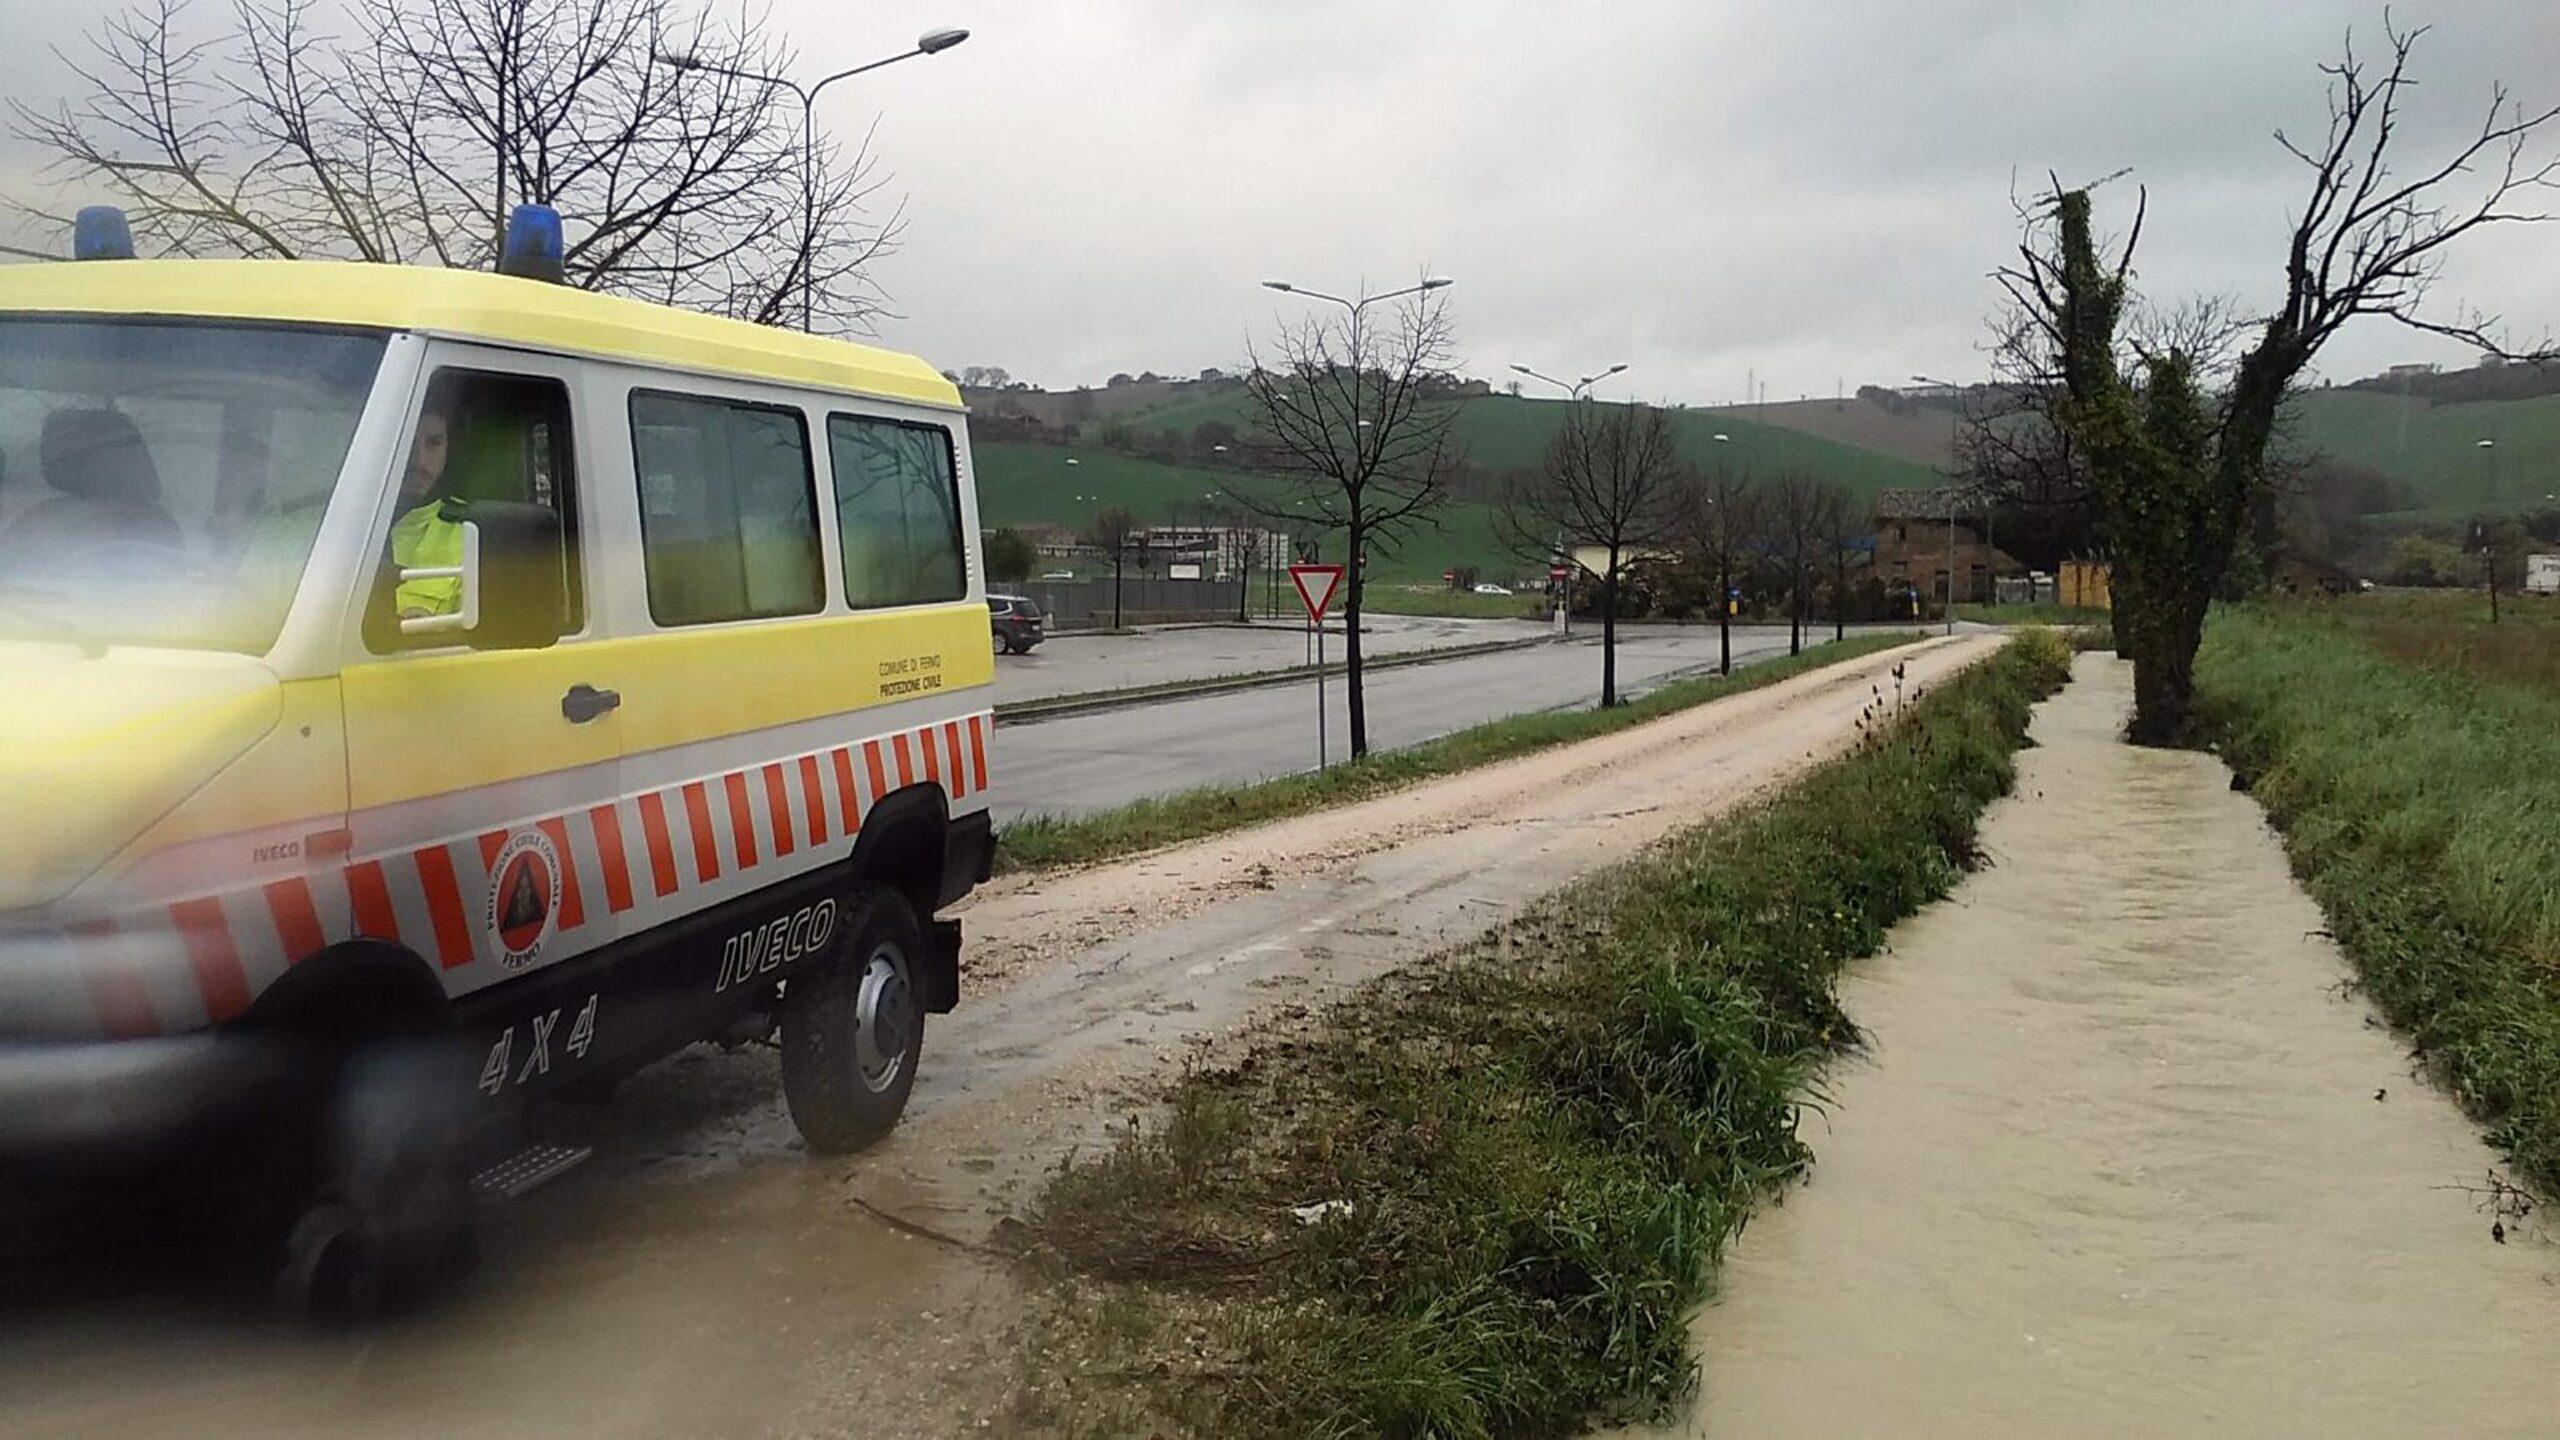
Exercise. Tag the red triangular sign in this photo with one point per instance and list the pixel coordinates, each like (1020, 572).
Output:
(1316, 584)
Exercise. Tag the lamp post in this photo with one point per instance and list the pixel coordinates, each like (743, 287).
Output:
(931, 42)
(1574, 390)
(1357, 561)
(1954, 497)
(2488, 449)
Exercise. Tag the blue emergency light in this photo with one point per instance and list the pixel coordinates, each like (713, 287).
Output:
(99, 232)
(533, 248)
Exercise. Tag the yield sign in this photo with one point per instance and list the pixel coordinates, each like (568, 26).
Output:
(1316, 584)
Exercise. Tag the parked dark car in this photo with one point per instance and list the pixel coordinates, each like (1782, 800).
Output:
(1016, 622)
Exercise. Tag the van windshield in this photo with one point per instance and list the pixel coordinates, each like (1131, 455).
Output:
(160, 483)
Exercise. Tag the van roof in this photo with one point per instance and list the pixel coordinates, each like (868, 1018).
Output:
(469, 305)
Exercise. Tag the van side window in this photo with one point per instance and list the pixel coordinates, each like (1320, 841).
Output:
(897, 511)
(728, 512)
(480, 438)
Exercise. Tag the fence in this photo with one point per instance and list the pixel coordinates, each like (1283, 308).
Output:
(1144, 600)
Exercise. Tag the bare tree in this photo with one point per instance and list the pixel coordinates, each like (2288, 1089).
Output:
(1610, 481)
(408, 136)
(2177, 457)
(1354, 417)
(1720, 530)
(1797, 521)
(1110, 530)
(1846, 537)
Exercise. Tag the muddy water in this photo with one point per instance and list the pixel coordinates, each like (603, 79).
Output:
(2123, 1160)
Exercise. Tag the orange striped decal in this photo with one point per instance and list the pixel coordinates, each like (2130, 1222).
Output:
(297, 922)
(848, 799)
(778, 797)
(370, 898)
(490, 844)
(573, 908)
(116, 995)
(742, 820)
(212, 956)
(906, 762)
(978, 749)
(932, 760)
(697, 814)
(444, 907)
(813, 798)
(879, 773)
(951, 747)
(606, 821)
(662, 849)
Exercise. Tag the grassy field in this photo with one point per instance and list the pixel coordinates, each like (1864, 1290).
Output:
(1020, 484)
(1035, 842)
(1539, 1146)
(2436, 447)
(1409, 599)
(2061, 615)
(2449, 630)
(1503, 432)
(2414, 769)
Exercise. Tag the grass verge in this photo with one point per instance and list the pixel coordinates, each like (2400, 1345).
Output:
(1083, 701)
(2421, 806)
(1482, 1196)
(2061, 617)
(1038, 842)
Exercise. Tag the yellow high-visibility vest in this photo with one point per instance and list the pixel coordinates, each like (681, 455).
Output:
(427, 537)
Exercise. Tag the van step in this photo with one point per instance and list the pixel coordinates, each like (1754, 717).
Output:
(530, 1168)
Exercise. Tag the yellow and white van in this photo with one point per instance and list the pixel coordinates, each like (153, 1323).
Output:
(536, 678)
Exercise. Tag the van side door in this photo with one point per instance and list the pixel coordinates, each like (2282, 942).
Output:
(483, 782)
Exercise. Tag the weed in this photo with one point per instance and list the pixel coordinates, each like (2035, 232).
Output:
(2417, 802)
(1515, 1168)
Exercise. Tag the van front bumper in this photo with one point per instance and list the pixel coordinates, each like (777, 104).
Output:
(79, 1103)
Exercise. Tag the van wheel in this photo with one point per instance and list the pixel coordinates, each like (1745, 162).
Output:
(853, 1030)
(391, 1213)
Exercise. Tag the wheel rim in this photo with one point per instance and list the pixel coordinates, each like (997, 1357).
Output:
(884, 1019)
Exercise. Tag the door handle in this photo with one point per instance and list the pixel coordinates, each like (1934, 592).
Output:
(585, 702)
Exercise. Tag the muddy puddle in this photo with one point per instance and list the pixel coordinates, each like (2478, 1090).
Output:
(2125, 1159)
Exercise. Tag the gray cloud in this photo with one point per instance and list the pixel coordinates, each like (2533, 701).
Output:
(1814, 192)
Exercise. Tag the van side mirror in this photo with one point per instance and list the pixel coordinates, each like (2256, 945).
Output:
(514, 590)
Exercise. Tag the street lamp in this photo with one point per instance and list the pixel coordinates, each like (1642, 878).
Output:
(1434, 282)
(931, 42)
(1953, 497)
(1576, 390)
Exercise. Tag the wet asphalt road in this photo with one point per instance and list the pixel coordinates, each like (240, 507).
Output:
(1074, 765)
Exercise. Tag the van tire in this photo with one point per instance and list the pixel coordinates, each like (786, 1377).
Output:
(853, 1028)
(391, 1208)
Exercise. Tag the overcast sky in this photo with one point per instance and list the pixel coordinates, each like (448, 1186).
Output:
(1703, 190)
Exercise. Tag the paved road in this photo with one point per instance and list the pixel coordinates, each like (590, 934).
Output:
(1080, 664)
(1078, 764)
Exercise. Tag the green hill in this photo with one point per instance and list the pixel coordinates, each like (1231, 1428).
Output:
(1504, 432)
(1020, 484)
(2435, 448)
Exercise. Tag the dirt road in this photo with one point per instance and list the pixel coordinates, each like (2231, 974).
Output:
(2125, 1159)
(704, 1276)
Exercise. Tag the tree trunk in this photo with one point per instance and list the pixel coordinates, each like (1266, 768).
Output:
(1795, 614)
(1609, 633)
(2161, 639)
(1840, 600)
(1724, 619)
(1359, 708)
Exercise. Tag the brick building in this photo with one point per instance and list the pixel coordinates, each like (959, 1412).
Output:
(1912, 547)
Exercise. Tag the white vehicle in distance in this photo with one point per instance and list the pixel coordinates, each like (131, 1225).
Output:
(1489, 588)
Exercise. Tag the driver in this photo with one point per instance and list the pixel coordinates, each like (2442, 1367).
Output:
(429, 531)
